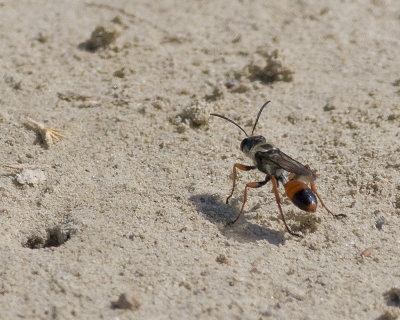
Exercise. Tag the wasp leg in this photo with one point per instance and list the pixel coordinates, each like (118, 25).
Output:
(314, 189)
(241, 167)
(248, 185)
(278, 201)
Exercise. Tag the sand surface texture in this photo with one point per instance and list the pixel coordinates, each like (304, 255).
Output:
(114, 177)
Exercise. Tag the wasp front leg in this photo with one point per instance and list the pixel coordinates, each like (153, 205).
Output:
(241, 167)
(249, 185)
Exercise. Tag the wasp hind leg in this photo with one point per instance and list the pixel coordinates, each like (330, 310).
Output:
(248, 185)
(240, 167)
(314, 189)
(278, 201)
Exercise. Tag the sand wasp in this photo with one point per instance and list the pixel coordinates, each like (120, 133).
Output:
(278, 167)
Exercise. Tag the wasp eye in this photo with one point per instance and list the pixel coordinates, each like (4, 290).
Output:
(243, 144)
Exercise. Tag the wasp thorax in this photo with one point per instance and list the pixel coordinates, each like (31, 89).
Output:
(250, 142)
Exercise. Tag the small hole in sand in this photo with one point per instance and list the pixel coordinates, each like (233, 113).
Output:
(55, 237)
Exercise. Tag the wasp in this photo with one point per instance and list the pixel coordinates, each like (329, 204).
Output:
(279, 168)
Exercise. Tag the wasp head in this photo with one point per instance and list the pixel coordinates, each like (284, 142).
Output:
(250, 142)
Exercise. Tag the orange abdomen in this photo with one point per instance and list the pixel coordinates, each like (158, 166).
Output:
(301, 195)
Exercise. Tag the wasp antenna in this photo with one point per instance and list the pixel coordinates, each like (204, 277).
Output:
(258, 116)
(231, 121)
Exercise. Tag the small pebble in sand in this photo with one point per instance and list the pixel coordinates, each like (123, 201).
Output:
(387, 316)
(380, 222)
(273, 70)
(127, 300)
(222, 259)
(100, 38)
(367, 252)
(194, 115)
(392, 297)
(119, 73)
(30, 177)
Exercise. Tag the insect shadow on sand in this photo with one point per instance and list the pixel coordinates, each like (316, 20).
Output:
(217, 212)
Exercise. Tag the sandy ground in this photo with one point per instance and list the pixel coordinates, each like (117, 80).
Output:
(132, 199)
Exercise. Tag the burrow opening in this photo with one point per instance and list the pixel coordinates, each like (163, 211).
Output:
(54, 237)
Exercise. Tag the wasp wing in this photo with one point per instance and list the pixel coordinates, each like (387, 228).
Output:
(285, 162)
